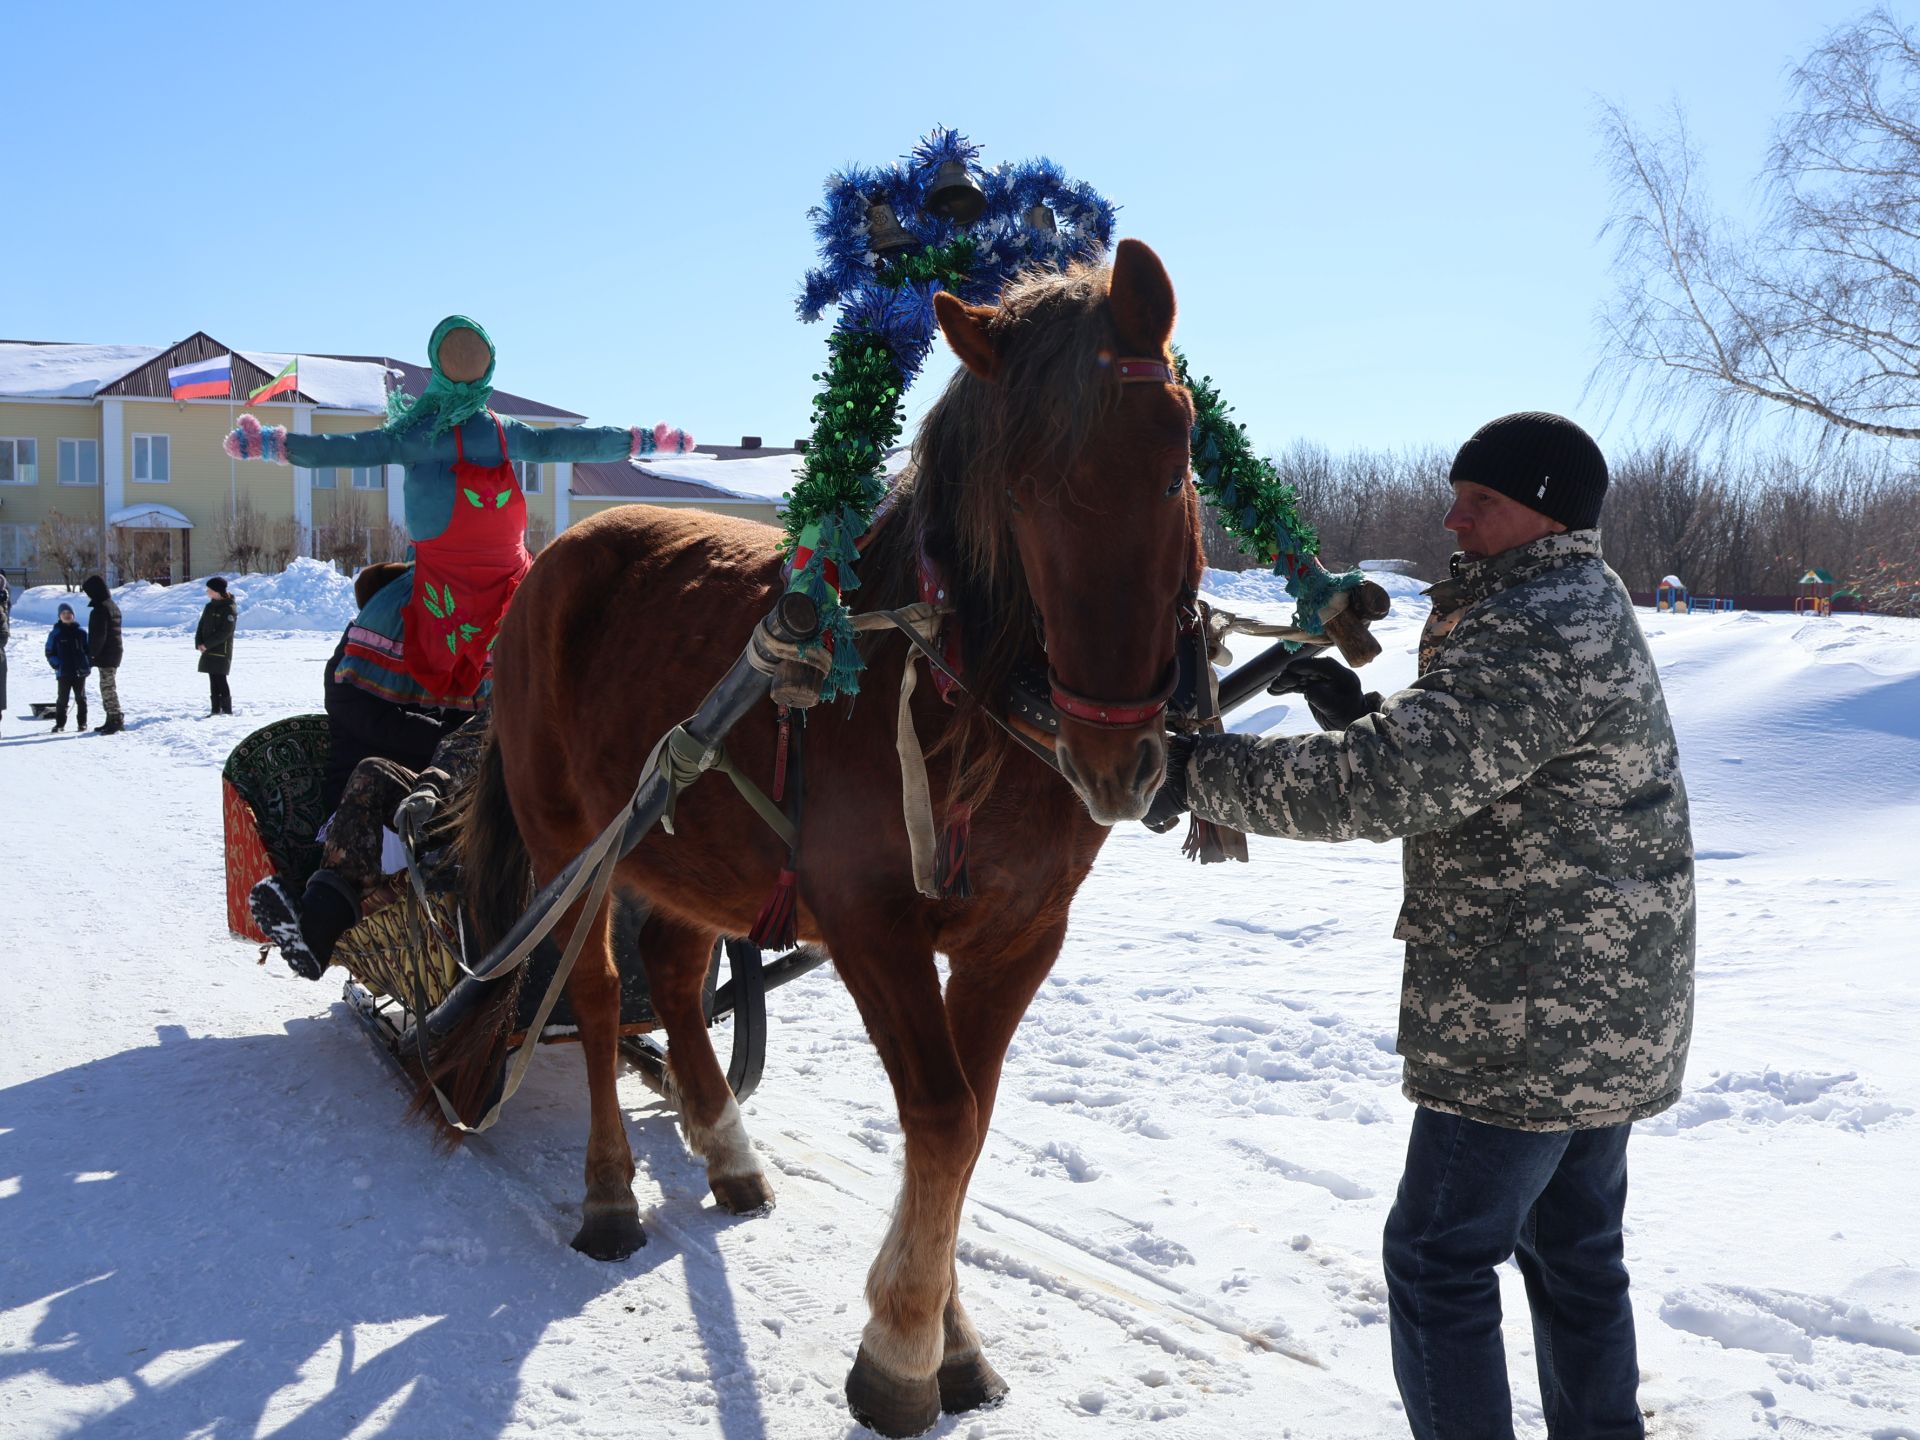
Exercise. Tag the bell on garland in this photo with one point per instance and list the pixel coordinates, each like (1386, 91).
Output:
(954, 194)
(1039, 217)
(885, 237)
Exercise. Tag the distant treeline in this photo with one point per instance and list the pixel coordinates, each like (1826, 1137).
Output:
(1748, 526)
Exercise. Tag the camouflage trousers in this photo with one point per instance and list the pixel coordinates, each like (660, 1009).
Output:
(109, 689)
(374, 791)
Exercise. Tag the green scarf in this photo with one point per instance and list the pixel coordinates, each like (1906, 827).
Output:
(444, 403)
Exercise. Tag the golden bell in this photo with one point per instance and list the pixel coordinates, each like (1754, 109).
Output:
(884, 233)
(954, 194)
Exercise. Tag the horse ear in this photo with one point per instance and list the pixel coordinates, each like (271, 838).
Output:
(1141, 296)
(965, 327)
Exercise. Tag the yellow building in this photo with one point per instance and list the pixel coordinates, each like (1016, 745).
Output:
(141, 488)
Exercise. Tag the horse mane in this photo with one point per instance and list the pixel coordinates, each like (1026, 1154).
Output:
(977, 443)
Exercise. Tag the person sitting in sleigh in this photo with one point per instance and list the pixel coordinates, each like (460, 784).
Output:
(362, 852)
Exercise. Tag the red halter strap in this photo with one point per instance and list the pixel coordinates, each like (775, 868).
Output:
(1133, 370)
(1110, 714)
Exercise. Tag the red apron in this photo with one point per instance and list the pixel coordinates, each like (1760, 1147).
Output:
(464, 576)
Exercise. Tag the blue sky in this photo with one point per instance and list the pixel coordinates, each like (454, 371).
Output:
(1382, 221)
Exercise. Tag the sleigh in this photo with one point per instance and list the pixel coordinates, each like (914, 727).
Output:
(407, 955)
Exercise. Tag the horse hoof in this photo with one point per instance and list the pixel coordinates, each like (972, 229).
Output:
(969, 1383)
(741, 1194)
(887, 1404)
(610, 1235)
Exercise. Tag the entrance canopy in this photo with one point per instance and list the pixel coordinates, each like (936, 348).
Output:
(149, 517)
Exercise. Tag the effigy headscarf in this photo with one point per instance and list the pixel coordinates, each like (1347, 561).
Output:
(444, 403)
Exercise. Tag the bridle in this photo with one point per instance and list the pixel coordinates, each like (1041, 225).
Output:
(1127, 714)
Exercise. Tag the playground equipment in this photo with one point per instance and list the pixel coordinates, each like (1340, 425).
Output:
(1672, 598)
(1816, 594)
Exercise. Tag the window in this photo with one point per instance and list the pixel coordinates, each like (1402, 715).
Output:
(20, 462)
(79, 462)
(152, 459)
(17, 542)
(326, 479)
(529, 474)
(370, 477)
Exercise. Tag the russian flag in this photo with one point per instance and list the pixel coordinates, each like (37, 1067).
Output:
(202, 379)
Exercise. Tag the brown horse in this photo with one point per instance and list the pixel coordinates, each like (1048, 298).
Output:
(1054, 498)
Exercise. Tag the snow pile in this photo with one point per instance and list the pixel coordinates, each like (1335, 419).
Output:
(307, 595)
(1243, 591)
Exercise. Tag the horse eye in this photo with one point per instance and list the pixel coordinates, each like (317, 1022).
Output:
(1179, 484)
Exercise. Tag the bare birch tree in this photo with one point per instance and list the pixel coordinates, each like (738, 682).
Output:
(1818, 309)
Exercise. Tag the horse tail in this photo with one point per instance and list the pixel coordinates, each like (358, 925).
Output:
(469, 1062)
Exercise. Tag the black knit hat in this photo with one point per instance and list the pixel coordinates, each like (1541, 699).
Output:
(217, 583)
(1546, 462)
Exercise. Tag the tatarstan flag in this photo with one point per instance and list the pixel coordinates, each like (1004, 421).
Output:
(287, 380)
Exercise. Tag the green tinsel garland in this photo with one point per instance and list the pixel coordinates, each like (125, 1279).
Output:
(1252, 503)
(951, 265)
(856, 420)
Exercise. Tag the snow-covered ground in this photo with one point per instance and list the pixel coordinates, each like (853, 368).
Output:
(215, 1222)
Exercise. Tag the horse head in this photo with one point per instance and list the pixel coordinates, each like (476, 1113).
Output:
(1082, 459)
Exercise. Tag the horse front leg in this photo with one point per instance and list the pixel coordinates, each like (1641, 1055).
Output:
(894, 1386)
(610, 1216)
(677, 957)
(985, 1001)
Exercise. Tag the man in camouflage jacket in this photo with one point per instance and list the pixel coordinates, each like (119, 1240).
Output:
(1548, 918)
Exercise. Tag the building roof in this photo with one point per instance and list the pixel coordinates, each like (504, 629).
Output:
(44, 370)
(48, 370)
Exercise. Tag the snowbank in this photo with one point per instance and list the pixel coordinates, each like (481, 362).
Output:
(1263, 587)
(308, 595)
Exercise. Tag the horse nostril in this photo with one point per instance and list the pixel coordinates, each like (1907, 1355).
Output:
(1152, 757)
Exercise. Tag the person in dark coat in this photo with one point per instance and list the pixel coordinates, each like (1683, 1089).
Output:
(213, 638)
(103, 638)
(68, 654)
(6, 629)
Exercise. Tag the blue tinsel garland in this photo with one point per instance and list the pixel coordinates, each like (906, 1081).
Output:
(886, 324)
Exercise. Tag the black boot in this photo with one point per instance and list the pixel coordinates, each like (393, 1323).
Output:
(328, 909)
(306, 931)
(113, 726)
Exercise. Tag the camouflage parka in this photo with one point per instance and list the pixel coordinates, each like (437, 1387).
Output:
(1531, 768)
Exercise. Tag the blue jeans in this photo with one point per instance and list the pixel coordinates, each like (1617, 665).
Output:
(1473, 1195)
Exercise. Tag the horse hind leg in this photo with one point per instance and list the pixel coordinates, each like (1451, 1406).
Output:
(610, 1216)
(677, 958)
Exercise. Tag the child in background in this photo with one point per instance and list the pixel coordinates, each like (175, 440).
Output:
(71, 660)
(214, 640)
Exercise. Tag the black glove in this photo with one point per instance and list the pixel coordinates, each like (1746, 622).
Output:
(1170, 801)
(1331, 690)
